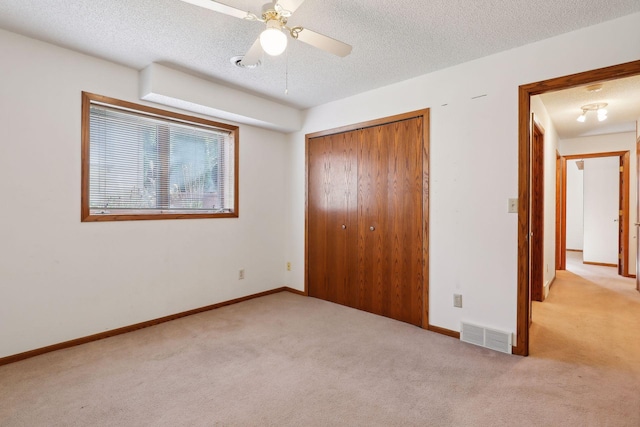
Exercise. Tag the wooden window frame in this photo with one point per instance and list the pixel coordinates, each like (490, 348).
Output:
(131, 214)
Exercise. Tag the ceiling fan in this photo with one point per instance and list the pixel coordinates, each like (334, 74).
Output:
(273, 40)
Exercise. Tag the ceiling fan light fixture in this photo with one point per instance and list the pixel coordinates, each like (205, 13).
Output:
(273, 40)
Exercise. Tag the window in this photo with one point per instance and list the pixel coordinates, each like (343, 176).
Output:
(140, 162)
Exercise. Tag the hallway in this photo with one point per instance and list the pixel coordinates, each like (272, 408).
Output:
(591, 318)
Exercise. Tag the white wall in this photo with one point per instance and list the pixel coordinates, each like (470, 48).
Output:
(601, 190)
(575, 207)
(606, 143)
(61, 279)
(473, 165)
(551, 140)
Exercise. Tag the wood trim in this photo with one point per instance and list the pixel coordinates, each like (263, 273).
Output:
(563, 243)
(524, 156)
(595, 155)
(84, 156)
(443, 331)
(563, 218)
(602, 264)
(552, 281)
(131, 328)
(177, 117)
(560, 227)
(524, 110)
(295, 291)
(85, 212)
(613, 72)
(370, 123)
(307, 141)
(129, 217)
(426, 126)
(236, 171)
(624, 189)
(637, 206)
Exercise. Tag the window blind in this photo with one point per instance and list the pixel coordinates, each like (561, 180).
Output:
(140, 162)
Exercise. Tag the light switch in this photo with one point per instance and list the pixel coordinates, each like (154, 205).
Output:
(513, 205)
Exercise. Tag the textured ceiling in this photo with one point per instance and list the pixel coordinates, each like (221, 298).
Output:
(622, 95)
(392, 40)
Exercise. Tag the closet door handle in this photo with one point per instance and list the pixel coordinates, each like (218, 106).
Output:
(344, 227)
(372, 228)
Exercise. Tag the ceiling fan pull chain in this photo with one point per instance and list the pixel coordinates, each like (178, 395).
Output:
(286, 74)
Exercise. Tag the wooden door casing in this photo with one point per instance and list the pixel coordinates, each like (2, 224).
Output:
(622, 263)
(561, 218)
(637, 223)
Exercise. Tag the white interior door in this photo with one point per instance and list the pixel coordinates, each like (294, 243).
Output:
(601, 209)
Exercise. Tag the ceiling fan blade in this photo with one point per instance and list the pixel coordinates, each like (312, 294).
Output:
(253, 56)
(289, 5)
(220, 7)
(324, 42)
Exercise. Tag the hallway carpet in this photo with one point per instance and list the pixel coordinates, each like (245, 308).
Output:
(591, 317)
(288, 360)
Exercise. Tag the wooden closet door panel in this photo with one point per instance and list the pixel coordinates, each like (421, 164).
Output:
(390, 201)
(332, 225)
(372, 220)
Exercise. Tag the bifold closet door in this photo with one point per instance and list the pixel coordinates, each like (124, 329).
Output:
(390, 220)
(332, 224)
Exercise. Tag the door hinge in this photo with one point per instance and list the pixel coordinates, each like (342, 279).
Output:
(620, 213)
(621, 168)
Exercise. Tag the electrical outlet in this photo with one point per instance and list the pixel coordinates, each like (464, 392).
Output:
(241, 274)
(288, 266)
(457, 300)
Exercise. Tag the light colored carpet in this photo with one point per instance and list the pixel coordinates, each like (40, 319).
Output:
(591, 317)
(287, 360)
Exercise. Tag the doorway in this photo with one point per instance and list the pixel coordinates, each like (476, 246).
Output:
(623, 203)
(525, 177)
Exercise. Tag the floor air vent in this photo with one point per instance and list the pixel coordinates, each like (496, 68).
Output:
(485, 337)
